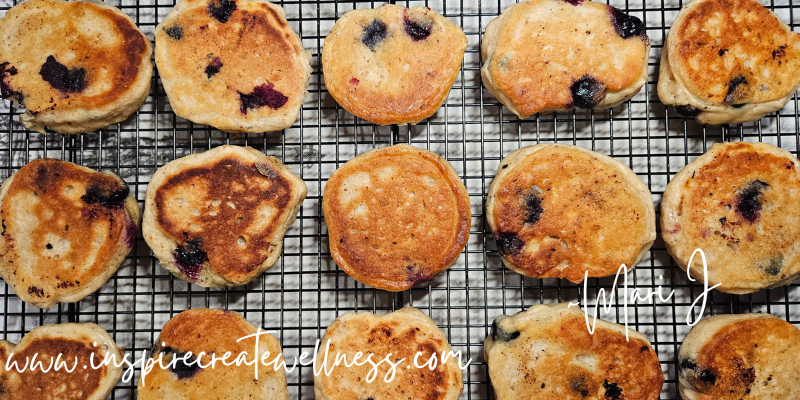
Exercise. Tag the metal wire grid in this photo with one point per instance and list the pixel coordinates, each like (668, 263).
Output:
(305, 291)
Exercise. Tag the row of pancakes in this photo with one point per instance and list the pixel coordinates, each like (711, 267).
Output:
(546, 352)
(237, 65)
(398, 216)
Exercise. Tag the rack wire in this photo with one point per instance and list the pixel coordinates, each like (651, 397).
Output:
(305, 291)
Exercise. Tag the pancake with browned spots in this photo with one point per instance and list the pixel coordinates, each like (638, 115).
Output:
(66, 230)
(207, 333)
(728, 62)
(218, 218)
(76, 66)
(391, 64)
(408, 338)
(549, 55)
(734, 357)
(77, 353)
(236, 65)
(396, 216)
(547, 353)
(739, 204)
(560, 211)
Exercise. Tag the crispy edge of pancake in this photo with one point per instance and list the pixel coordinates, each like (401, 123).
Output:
(380, 113)
(94, 118)
(517, 157)
(65, 332)
(408, 317)
(673, 198)
(195, 326)
(491, 39)
(212, 118)
(335, 227)
(545, 316)
(131, 207)
(702, 337)
(163, 245)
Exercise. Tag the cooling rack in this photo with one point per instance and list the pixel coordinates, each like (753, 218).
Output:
(305, 291)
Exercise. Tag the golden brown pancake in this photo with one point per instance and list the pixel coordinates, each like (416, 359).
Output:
(396, 216)
(213, 333)
(548, 55)
(732, 357)
(236, 65)
(76, 66)
(391, 64)
(547, 353)
(728, 61)
(218, 218)
(403, 334)
(66, 230)
(559, 211)
(75, 343)
(739, 204)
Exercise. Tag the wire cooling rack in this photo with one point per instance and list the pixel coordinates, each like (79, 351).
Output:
(305, 291)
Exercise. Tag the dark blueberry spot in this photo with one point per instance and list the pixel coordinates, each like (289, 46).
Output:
(374, 33)
(416, 30)
(189, 258)
(49, 246)
(508, 243)
(36, 291)
(779, 52)
(722, 52)
(98, 195)
(734, 92)
(574, 2)
(707, 376)
(686, 364)
(213, 67)
(184, 367)
(587, 92)
(748, 200)
(222, 10)
(5, 88)
(501, 335)
(738, 105)
(62, 78)
(4, 228)
(687, 111)
(266, 170)
(262, 95)
(626, 25)
(644, 349)
(533, 208)
(131, 230)
(175, 32)
(773, 266)
(612, 390)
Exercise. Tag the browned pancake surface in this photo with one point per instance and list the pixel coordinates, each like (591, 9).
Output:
(396, 216)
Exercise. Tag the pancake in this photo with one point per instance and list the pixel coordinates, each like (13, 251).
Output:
(560, 211)
(213, 332)
(396, 217)
(738, 203)
(728, 62)
(404, 333)
(236, 65)
(548, 55)
(732, 357)
(76, 66)
(547, 353)
(75, 344)
(392, 65)
(218, 218)
(66, 230)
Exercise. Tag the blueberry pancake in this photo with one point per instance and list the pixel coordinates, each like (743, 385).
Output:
(404, 334)
(75, 344)
(76, 66)
(738, 203)
(560, 211)
(396, 217)
(392, 65)
(236, 65)
(218, 218)
(547, 353)
(213, 333)
(549, 55)
(747, 356)
(65, 230)
(728, 62)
